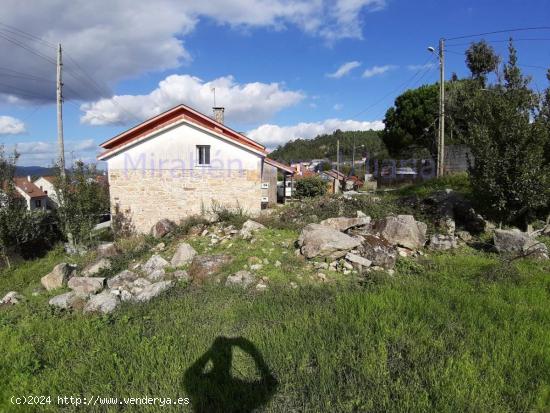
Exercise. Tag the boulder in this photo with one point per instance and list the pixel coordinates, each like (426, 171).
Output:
(318, 240)
(70, 300)
(402, 230)
(343, 224)
(464, 236)
(519, 243)
(141, 282)
(153, 290)
(379, 251)
(156, 262)
(106, 250)
(204, 266)
(157, 275)
(240, 279)
(181, 275)
(104, 303)
(96, 267)
(162, 228)
(357, 260)
(183, 255)
(122, 279)
(86, 285)
(441, 242)
(11, 298)
(249, 227)
(59, 276)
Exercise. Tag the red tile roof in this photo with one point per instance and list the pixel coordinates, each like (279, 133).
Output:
(29, 188)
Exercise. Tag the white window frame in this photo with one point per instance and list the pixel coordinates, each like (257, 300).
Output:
(203, 148)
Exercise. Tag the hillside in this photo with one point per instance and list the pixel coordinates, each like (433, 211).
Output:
(324, 146)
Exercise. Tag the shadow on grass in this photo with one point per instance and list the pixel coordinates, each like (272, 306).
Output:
(217, 390)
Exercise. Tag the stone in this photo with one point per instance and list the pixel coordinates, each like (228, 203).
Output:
(153, 290)
(106, 250)
(156, 262)
(249, 228)
(402, 230)
(320, 265)
(162, 228)
(11, 298)
(441, 242)
(241, 278)
(343, 224)
(122, 279)
(182, 275)
(379, 251)
(58, 277)
(293, 285)
(141, 282)
(86, 285)
(157, 275)
(67, 301)
(261, 286)
(104, 303)
(361, 214)
(204, 266)
(277, 264)
(464, 236)
(519, 243)
(256, 267)
(159, 247)
(183, 255)
(96, 267)
(361, 262)
(322, 241)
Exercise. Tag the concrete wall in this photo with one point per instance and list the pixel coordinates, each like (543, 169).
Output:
(456, 158)
(159, 178)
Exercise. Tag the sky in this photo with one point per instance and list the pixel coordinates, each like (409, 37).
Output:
(283, 69)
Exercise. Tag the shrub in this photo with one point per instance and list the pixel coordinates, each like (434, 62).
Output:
(311, 187)
(230, 216)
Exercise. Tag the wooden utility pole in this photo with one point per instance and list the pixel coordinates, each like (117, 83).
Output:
(441, 137)
(338, 155)
(59, 90)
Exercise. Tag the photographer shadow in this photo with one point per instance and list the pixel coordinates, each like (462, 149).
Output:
(217, 390)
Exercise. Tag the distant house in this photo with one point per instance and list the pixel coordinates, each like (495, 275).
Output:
(181, 163)
(33, 196)
(339, 182)
(46, 184)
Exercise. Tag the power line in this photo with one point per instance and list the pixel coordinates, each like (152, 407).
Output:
(521, 29)
(533, 39)
(27, 48)
(16, 31)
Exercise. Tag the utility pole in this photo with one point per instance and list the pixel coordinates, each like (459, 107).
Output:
(338, 155)
(59, 90)
(441, 140)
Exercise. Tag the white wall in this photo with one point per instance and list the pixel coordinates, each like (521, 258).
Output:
(46, 185)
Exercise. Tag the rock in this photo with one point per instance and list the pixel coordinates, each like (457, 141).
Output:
(379, 251)
(96, 267)
(70, 300)
(156, 262)
(141, 282)
(440, 242)
(250, 227)
(277, 264)
(293, 285)
(11, 298)
(256, 267)
(361, 214)
(157, 275)
(162, 228)
(86, 285)
(519, 243)
(153, 290)
(322, 241)
(464, 236)
(106, 250)
(261, 286)
(182, 275)
(343, 224)
(402, 230)
(320, 265)
(58, 277)
(122, 279)
(159, 247)
(104, 302)
(204, 266)
(358, 260)
(347, 265)
(183, 255)
(241, 278)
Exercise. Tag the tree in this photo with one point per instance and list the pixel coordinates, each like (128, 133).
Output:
(310, 186)
(481, 59)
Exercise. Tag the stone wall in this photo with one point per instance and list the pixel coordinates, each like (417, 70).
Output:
(146, 196)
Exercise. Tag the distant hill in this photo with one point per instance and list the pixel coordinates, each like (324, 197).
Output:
(33, 171)
(324, 146)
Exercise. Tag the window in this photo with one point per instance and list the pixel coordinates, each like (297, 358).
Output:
(38, 203)
(203, 154)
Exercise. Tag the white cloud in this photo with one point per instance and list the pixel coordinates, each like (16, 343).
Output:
(273, 135)
(420, 67)
(344, 69)
(377, 70)
(248, 102)
(114, 40)
(11, 126)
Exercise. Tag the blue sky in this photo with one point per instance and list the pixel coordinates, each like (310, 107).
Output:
(274, 64)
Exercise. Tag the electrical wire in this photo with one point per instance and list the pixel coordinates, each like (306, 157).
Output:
(521, 29)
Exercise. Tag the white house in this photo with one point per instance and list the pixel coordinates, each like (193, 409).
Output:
(46, 184)
(34, 197)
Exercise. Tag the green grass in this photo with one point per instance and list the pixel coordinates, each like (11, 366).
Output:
(443, 335)
(458, 182)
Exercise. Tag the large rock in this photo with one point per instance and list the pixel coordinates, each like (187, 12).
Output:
(58, 277)
(240, 279)
(441, 242)
(96, 267)
(183, 255)
(519, 243)
(156, 262)
(162, 228)
(86, 285)
(402, 230)
(70, 300)
(321, 241)
(104, 302)
(249, 227)
(106, 250)
(153, 290)
(11, 298)
(379, 251)
(122, 279)
(358, 261)
(204, 266)
(343, 224)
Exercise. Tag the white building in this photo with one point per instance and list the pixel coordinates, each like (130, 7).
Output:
(34, 197)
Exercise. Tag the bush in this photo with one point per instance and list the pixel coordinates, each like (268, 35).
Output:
(310, 187)
(230, 216)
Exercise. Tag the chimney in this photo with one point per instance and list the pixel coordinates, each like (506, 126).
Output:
(218, 114)
(29, 178)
